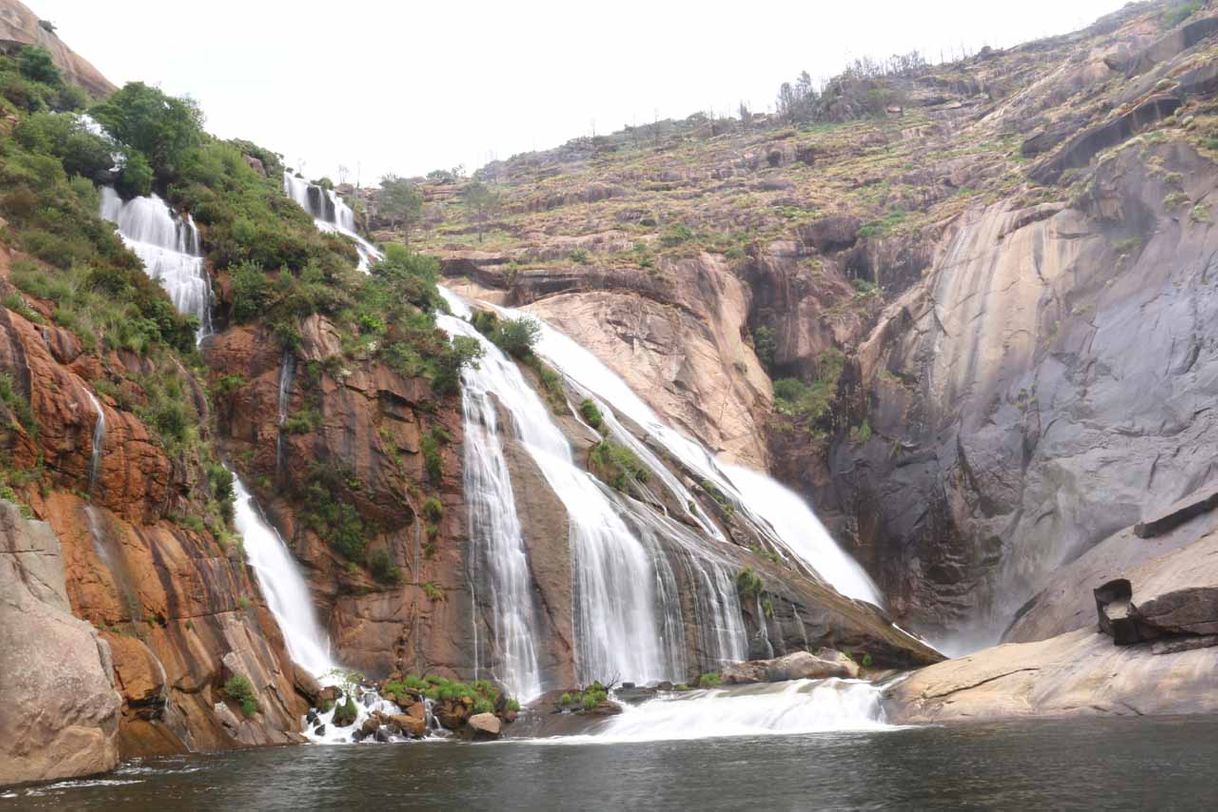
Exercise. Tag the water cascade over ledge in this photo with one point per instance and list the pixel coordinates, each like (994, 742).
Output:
(776, 511)
(784, 708)
(168, 245)
(330, 214)
(626, 612)
(286, 591)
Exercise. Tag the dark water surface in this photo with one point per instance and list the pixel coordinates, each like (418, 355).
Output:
(1102, 763)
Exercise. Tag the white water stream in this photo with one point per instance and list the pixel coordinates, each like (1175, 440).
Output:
(168, 246)
(330, 213)
(787, 517)
(618, 580)
(285, 589)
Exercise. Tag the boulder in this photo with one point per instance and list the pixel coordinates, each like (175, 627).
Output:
(452, 713)
(61, 709)
(410, 725)
(485, 726)
(306, 685)
(824, 664)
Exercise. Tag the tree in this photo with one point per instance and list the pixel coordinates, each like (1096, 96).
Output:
(162, 127)
(400, 203)
(37, 65)
(482, 204)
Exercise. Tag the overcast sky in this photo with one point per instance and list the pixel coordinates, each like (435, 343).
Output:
(407, 87)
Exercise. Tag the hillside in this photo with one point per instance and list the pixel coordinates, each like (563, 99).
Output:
(263, 481)
(908, 312)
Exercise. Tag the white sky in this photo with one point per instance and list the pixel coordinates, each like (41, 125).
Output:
(407, 87)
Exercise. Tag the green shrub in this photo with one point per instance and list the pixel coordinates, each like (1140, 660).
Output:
(591, 414)
(17, 404)
(433, 509)
(516, 337)
(764, 345)
(794, 398)
(383, 569)
(579, 256)
(617, 465)
(676, 234)
(748, 583)
(239, 689)
(336, 522)
(709, 681)
(433, 462)
(37, 65)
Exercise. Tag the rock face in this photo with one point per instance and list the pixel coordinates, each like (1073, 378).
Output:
(176, 606)
(20, 26)
(683, 350)
(61, 709)
(1036, 413)
(1080, 673)
(824, 664)
(360, 441)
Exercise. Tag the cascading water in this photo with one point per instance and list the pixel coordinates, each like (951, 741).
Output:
(802, 706)
(286, 592)
(776, 511)
(329, 213)
(99, 441)
(168, 246)
(499, 550)
(287, 372)
(621, 586)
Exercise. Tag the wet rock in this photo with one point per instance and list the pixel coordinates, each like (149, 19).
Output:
(371, 725)
(485, 726)
(306, 685)
(1075, 674)
(320, 730)
(410, 725)
(824, 664)
(345, 713)
(452, 713)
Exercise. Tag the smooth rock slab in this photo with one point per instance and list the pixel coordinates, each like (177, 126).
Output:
(824, 664)
(60, 708)
(1080, 673)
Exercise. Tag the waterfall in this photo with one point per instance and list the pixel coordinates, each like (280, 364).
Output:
(99, 439)
(285, 589)
(621, 586)
(802, 706)
(287, 372)
(777, 512)
(168, 246)
(498, 542)
(330, 213)
(169, 249)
